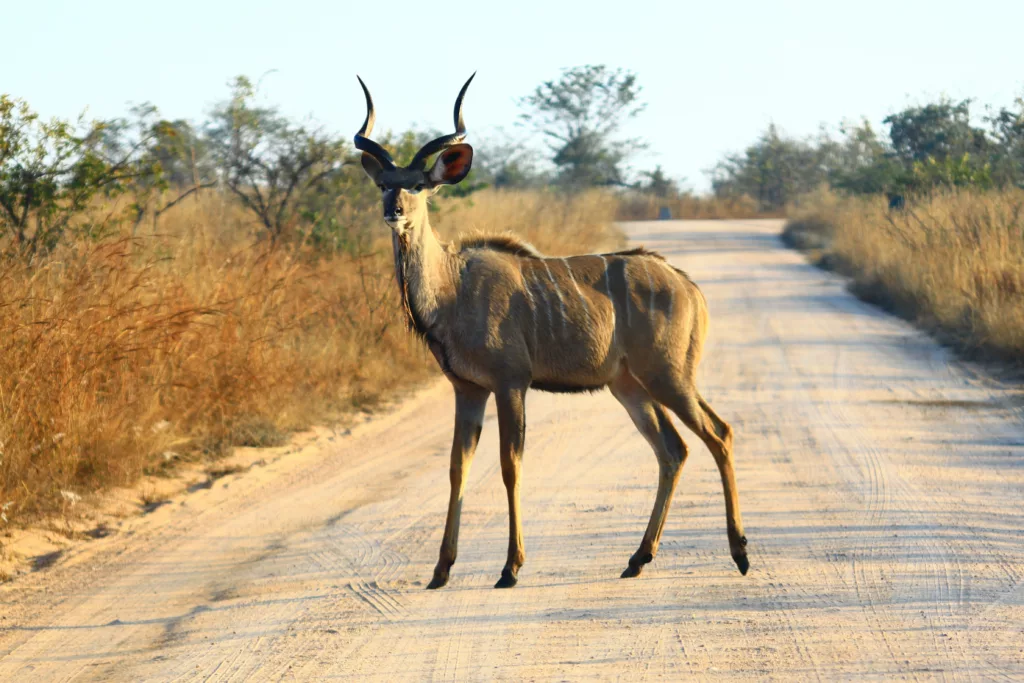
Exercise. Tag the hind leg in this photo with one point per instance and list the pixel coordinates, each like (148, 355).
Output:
(653, 422)
(682, 398)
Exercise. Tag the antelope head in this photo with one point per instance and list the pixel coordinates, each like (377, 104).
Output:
(405, 189)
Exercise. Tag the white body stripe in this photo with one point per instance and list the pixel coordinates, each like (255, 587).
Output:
(650, 285)
(543, 302)
(625, 293)
(671, 292)
(608, 289)
(528, 289)
(558, 292)
(568, 269)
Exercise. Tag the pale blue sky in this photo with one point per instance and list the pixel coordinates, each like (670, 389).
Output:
(714, 74)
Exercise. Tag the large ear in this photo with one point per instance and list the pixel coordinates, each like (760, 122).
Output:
(371, 166)
(451, 165)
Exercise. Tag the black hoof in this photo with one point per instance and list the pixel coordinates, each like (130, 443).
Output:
(636, 564)
(631, 571)
(437, 582)
(640, 558)
(507, 580)
(742, 562)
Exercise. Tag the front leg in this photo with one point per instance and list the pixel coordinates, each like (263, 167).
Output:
(470, 402)
(512, 431)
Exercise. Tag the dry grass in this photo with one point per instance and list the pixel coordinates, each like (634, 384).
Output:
(198, 338)
(556, 224)
(636, 206)
(953, 263)
(812, 220)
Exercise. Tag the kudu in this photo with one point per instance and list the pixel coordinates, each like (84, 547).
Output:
(500, 318)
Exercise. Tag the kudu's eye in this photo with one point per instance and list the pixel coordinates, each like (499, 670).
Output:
(419, 187)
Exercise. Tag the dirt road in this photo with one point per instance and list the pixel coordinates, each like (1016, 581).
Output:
(882, 487)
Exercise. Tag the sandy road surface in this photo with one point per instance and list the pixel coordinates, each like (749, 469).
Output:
(882, 489)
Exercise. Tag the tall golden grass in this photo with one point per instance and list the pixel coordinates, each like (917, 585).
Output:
(196, 337)
(640, 206)
(556, 224)
(952, 262)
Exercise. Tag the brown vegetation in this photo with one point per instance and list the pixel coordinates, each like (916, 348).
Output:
(637, 206)
(555, 224)
(195, 337)
(952, 262)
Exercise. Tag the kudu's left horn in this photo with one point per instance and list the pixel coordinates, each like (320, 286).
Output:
(362, 140)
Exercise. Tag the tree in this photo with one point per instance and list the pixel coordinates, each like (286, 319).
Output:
(51, 170)
(579, 115)
(183, 154)
(774, 170)
(506, 162)
(170, 155)
(1008, 134)
(863, 163)
(658, 184)
(935, 131)
(925, 147)
(268, 162)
